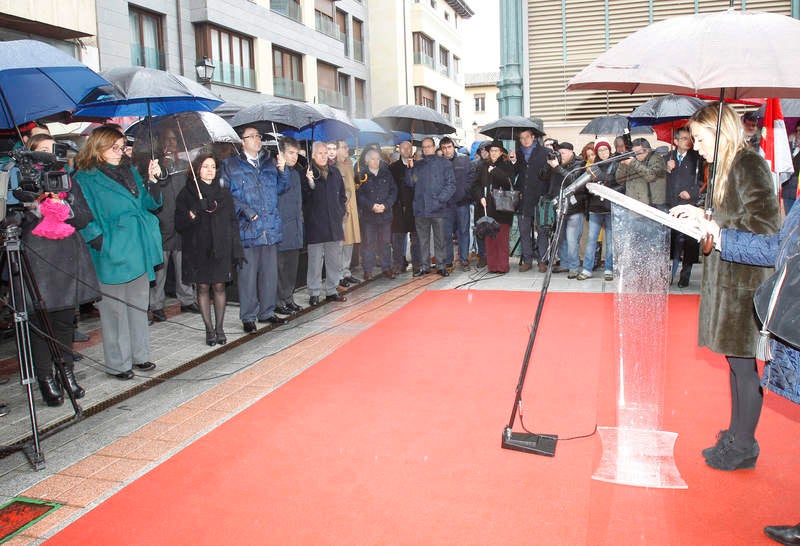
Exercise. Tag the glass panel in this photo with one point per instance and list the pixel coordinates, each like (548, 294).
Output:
(225, 58)
(247, 80)
(236, 59)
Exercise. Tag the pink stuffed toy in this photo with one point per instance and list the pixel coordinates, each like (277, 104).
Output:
(54, 213)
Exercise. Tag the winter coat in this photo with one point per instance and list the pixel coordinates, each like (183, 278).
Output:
(131, 236)
(500, 177)
(255, 194)
(606, 175)
(352, 229)
(464, 177)
(290, 208)
(645, 181)
(403, 210)
(324, 207)
(63, 268)
(686, 177)
(434, 183)
(559, 177)
(377, 189)
(529, 182)
(782, 373)
(728, 324)
(211, 240)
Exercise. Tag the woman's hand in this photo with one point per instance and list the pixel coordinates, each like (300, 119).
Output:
(711, 228)
(687, 211)
(153, 170)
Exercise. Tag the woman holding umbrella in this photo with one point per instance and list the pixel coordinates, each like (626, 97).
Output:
(497, 174)
(125, 245)
(744, 200)
(206, 219)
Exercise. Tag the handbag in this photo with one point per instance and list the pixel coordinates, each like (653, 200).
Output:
(777, 303)
(505, 200)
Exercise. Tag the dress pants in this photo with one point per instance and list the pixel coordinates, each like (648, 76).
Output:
(399, 241)
(525, 225)
(347, 257)
(331, 254)
(183, 291)
(258, 283)
(288, 261)
(458, 224)
(123, 317)
(375, 246)
(424, 225)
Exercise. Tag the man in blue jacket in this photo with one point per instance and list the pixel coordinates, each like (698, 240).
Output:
(255, 180)
(434, 184)
(460, 216)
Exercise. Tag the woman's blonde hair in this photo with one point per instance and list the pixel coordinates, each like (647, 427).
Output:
(731, 141)
(101, 139)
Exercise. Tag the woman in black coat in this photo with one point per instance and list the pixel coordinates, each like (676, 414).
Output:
(64, 273)
(497, 174)
(211, 242)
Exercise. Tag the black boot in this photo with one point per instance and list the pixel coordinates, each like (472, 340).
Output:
(72, 383)
(51, 391)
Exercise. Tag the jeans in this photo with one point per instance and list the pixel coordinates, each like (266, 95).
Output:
(525, 225)
(458, 222)
(376, 244)
(596, 221)
(570, 241)
(399, 241)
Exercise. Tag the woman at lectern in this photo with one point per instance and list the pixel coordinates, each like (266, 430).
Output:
(743, 199)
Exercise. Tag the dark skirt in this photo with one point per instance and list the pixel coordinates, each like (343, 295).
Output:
(196, 268)
(497, 251)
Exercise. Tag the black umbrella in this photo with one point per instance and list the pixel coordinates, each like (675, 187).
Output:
(273, 115)
(414, 118)
(665, 108)
(506, 128)
(199, 129)
(613, 125)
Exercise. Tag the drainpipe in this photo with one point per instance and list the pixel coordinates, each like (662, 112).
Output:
(180, 35)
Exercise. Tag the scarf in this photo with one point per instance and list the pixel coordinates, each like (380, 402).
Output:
(121, 174)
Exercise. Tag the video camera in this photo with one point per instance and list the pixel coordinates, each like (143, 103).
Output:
(41, 172)
(553, 153)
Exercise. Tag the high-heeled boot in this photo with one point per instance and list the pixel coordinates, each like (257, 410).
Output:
(51, 391)
(72, 383)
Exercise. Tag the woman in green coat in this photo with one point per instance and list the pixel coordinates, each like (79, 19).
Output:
(125, 245)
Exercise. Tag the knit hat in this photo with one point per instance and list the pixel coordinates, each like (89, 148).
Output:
(600, 144)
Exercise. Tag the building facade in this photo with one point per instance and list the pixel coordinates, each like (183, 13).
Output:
(416, 51)
(563, 39)
(304, 50)
(482, 106)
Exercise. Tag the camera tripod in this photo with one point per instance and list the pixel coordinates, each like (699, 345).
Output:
(21, 279)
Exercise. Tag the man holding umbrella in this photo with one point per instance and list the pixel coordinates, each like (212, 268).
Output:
(529, 160)
(255, 180)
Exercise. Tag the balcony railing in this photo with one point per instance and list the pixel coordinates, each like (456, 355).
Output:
(147, 56)
(459, 123)
(444, 70)
(290, 89)
(331, 98)
(422, 58)
(358, 50)
(361, 108)
(287, 8)
(326, 25)
(232, 74)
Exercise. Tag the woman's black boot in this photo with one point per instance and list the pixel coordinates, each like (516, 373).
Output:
(51, 391)
(72, 383)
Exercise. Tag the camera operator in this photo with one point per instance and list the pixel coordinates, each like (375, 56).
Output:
(644, 175)
(570, 235)
(53, 209)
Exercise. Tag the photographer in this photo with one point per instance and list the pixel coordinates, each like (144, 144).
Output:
(53, 209)
(570, 166)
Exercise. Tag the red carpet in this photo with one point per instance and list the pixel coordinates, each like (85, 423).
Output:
(395, 439)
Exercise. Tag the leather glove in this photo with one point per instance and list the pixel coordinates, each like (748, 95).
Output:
(97, 243)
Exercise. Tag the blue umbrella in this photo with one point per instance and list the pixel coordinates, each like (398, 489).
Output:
(37, 80)
(335, 125)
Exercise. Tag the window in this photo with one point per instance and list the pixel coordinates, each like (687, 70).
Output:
(324, 12)
(231, 53)
(361, 105)
(288, 8)
(327, 81)
(423, 49)
(287, 73)
(147, 39)
(457, 113)
(358, 40)
(444, 61)
(445, 106)
(446, 15)
(433, 4)
(480, 102)
(341, 24)
(456, 66)
(425, 96)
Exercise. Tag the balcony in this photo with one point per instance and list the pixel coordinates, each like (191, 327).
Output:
(358, 50)
(147, 56)
(290, 89)
(287, 8)
(444, 70)
(332, 98)
(459, 123)
(423, 59)
(361, 108)
(231, 74)
(326, 25)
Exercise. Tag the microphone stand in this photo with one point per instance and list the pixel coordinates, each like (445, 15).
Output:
(531, 442)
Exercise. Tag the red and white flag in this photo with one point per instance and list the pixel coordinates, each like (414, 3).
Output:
(775, 143)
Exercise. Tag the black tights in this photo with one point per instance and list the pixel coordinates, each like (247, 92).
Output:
(746, 400)
(204, 300)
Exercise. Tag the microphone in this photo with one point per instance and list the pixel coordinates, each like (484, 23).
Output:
(587, 177)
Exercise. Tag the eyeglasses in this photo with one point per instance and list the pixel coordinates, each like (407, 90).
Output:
(255, 136)
(120, 149)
